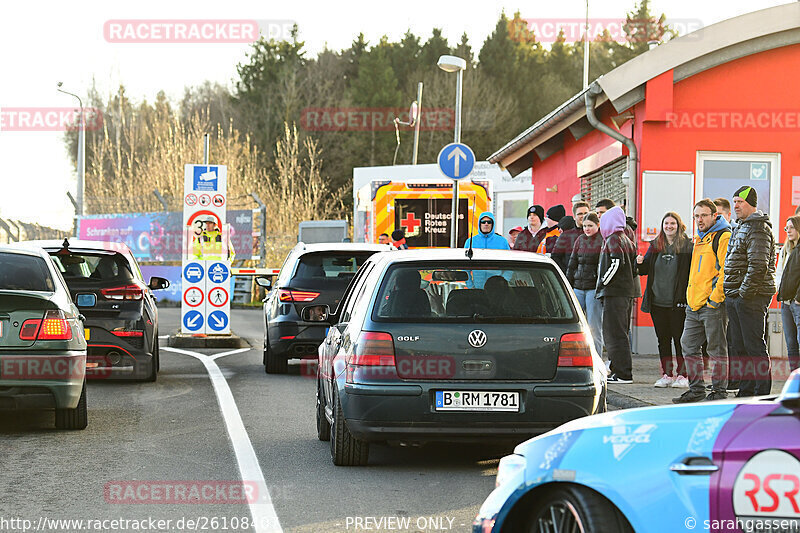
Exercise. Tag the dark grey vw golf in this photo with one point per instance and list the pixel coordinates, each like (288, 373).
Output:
(437, 345)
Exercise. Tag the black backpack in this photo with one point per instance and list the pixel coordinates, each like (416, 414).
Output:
(715, 244)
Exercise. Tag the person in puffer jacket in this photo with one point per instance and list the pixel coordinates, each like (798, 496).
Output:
(485, 239)
(582, 275)
(749, 286)
(617, 286)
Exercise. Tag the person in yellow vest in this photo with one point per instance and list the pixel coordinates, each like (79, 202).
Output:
(549, 234)
(211, 241)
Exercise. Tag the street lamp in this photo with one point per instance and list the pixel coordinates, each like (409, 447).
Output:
(81, 150)
(455, 64)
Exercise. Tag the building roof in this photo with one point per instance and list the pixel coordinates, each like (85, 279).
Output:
(686, 56)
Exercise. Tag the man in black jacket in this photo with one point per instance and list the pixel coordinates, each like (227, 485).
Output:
(749, 285)
(566, 241)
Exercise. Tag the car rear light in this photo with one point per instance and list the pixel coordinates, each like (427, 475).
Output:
(29, 329)
(53, 327)
(128, 333)
(286, 295)
(126, 292)
(574, 350)
(374, 349)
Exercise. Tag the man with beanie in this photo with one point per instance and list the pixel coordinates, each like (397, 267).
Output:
(549, 234)
(526, 238)
(705, 320)
(399, 239)
(749, 285)
(617, 286)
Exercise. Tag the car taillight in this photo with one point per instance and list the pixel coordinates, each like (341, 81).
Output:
(53, 327)
(286, 295)
(574, 350)
(126, 292)
(119, 333)
(374, 349)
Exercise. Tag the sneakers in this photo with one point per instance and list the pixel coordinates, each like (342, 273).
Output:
(716, 395)
(690, 397)
(681, 382)
(664, 382)
(614, 378)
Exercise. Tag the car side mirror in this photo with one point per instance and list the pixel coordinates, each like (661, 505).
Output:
(316, 313)
(157, 283)
(790, 395)
(264, 281)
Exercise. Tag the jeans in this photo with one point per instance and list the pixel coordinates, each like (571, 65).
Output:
(594, 315)
(748, 319)
(790, 313)
(616, 324)
(705, 325)
(668, 323)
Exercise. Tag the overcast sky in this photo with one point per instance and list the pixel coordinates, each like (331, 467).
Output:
(47, 42)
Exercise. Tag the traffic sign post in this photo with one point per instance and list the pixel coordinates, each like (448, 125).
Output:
(206, 269)
(456, 161)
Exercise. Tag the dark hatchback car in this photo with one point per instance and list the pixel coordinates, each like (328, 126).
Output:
(432, 345)
(312, 274)
(106, 284)
(42, 349)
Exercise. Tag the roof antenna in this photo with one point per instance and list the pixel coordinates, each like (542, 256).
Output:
(468, 253)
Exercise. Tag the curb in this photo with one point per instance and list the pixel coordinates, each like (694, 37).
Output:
(623, 401)
(179, 340)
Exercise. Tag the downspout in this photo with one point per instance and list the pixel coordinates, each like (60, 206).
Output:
(633, 164)
(633, 154)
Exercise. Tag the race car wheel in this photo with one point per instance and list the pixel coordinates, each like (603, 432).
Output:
(74, 418)
(575, 509)
(323, 426)
(346, 450)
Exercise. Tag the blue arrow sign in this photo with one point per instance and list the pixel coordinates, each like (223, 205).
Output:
(217, 320)
(193, 320)
(456, 160)
(218, 272)
(193, 272)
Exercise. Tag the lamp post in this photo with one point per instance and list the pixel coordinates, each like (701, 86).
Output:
(458, 65)
(81, 151)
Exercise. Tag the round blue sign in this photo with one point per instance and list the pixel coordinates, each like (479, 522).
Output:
(218, 321)
(218, 273)
(456, 160)
(193, 320)
(193, 272)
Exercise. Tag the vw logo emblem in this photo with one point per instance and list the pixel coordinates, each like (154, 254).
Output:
(477, 338)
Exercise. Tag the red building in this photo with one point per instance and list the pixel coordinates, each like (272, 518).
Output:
(696, 117)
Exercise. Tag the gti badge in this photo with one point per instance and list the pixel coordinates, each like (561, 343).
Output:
(477, 338)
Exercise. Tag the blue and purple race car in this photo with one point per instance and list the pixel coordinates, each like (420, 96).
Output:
(718, 466)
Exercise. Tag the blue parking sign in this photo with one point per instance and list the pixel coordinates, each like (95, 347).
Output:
(193, 272)
(218, 320)
(193, 320)
(218, 273)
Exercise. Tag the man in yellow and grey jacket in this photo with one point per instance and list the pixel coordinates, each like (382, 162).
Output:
(706, 320)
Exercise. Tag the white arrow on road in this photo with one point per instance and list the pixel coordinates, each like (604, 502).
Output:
(220, 322)
(458, 154)
(192, 322)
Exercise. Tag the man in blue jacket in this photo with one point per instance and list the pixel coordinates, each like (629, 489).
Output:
(485, 239)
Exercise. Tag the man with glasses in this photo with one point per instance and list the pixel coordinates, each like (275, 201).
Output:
(705, 314)
(749, 287)
(487, 238)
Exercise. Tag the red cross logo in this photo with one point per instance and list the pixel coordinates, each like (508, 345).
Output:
(411, 223)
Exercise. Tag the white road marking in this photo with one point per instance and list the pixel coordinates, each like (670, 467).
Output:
(262, 510)
(163, 336)
(232, 352)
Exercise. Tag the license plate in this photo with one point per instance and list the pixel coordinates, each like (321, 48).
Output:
(448, 400)
(86, 333)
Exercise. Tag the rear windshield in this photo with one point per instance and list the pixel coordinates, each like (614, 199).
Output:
(92, 267)
(21, 272)
(327, 269)
(479, 292)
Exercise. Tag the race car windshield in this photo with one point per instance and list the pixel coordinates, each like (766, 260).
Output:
(480, 292)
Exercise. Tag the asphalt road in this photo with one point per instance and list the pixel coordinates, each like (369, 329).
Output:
(146, 439)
